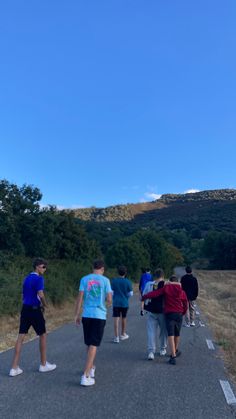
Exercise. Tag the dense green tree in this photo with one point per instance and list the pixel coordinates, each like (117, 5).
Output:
(28, 230)
(220, 248)
(128, 252)
(161, 253)
(142, 249)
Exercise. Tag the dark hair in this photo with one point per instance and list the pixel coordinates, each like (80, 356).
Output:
(122, 270)
(98, 264)
(159, 273)
(38, 262)
(173, 278)
(147, 269)
(188, 269)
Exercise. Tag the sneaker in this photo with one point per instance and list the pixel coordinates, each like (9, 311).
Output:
(87, 381)
(47, 367)
(186, 324)
(192, 324)
(124, 337)
(172, 360)
(141, 312)
(151, 356)
(92, 372)
(178, 353)
(116, 339)
(15, 371)
(162, 352)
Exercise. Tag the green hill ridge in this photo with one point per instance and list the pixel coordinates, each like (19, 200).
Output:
(206, 210)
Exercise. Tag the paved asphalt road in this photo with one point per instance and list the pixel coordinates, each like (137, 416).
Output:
(127, 385)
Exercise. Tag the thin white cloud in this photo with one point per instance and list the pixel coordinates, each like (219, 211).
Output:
(149, 196)
(63, 207)
(152, 195)
(191, 191)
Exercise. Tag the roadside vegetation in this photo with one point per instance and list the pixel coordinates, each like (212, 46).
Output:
(218, 302)
(198, 230)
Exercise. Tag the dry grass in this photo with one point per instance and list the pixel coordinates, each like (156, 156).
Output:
(218, 302)
(55, 317)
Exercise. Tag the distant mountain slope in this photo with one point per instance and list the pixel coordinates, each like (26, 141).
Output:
(212, 209)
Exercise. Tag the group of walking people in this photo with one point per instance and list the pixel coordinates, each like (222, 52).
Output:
(165, 302)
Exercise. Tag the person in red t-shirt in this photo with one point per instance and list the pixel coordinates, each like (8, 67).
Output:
(175, 306)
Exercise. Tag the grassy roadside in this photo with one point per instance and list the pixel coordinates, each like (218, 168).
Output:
(55, 317)
(218, 302)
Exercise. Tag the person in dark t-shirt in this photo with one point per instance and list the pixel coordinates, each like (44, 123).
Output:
(190, 286)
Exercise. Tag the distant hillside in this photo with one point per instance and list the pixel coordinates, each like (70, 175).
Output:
(212, 209)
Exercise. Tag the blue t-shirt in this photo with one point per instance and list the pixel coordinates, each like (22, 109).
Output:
(121, 288)
(146, 277)
(31, 285)
(95, 288)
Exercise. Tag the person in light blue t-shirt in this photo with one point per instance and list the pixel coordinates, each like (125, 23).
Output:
(122, 291)
(94, 292)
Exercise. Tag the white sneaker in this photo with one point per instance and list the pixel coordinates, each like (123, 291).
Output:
(87, 381)
(15, 371)
(151, 356)
(47, 367)
(92, 372)
(186, 325)
(124, 337)
(116, 339)
(162, 352)
(192, 324)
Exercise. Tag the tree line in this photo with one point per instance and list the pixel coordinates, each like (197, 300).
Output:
(27, 230)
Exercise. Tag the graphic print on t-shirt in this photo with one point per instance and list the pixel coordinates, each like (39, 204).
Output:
(94, 289)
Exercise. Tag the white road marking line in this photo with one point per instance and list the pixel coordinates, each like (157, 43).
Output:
(210, 344)
(228, 392)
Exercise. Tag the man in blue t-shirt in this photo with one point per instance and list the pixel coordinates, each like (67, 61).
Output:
(34, 304)
(122, 290)
(145, 278)
(94, 292)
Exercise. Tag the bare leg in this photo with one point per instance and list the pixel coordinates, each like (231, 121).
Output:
(176, 340)
(116, 326)
(187, 315)
(18, 347)
(93, 366)
(123, 325)
(171, 341)
(92, 350)
(42, 348)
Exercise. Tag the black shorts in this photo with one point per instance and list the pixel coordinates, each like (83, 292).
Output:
(174, 323)
(120, 311)
(93, 330)
(32, 316)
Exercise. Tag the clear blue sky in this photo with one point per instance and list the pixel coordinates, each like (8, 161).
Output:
(111, 101)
